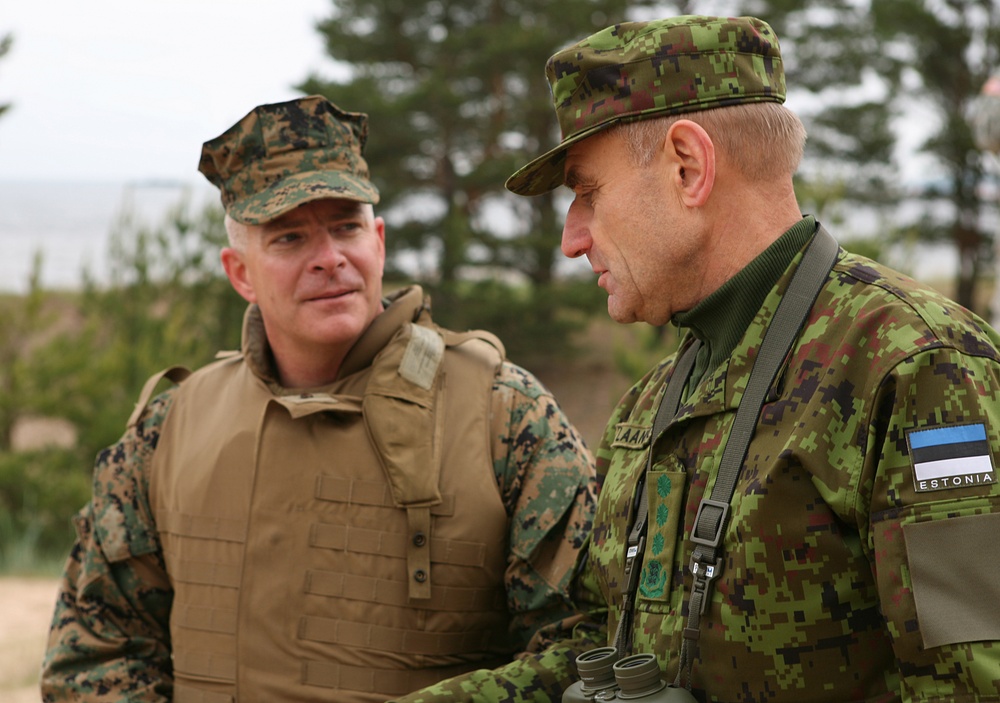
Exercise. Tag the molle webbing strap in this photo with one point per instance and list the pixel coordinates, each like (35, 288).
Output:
(369, 589)
(201, 526)
(210, 665)
(208, 573)
(637, 537)
(204, 618)
(373, 493)
(710, 521)
(364, 541)
(174, 373)
(393, 639)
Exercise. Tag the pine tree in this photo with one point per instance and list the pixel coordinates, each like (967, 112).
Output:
(860, 69)
(458, 100)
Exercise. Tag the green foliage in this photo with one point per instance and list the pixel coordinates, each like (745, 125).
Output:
(22, 320)
(950, 51)
(168, 304)
(872, 248)
(644, 349)
(531, 325)
(85, 357)
(39, 491)
(864, 68)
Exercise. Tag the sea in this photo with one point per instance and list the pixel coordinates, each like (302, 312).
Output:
(70, 224)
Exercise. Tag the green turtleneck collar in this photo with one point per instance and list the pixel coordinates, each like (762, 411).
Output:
(721, 319)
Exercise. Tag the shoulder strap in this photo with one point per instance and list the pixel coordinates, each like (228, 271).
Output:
(637, 536)
(710, 521)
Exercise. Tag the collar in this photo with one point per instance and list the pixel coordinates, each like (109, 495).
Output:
(721, 319)
(402, 306)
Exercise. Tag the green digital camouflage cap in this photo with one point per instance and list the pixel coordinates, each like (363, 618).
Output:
(282, 155)
(635, 70)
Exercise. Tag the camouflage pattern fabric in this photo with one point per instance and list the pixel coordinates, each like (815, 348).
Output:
(109, 638)
(282, 155)
(819, 598)
(634, 70)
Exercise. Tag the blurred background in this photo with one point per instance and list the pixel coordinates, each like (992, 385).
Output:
(110, 237)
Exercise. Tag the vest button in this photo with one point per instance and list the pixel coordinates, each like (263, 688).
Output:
(419, 575)
(419, 539)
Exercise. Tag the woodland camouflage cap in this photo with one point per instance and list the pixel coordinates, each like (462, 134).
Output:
(635, 70)
(282, 155)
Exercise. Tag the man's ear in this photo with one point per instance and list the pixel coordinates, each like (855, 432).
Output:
(693, 161)
(236, 272)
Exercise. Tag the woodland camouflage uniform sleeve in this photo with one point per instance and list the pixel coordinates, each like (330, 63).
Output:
(109, 638)
(935, 552)
(546, 476)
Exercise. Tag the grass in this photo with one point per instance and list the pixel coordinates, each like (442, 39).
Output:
(20, 553)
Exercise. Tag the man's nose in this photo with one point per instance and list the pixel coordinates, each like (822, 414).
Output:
(328, 254)
(576, 235)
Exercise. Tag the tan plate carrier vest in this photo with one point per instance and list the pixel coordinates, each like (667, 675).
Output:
(348, 545)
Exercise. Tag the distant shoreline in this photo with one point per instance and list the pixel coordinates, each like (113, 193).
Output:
(70, 223)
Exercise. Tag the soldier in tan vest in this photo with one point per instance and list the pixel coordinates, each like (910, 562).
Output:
(355, 505)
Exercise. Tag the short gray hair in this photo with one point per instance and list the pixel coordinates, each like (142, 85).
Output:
(237, 233)
(762, 140)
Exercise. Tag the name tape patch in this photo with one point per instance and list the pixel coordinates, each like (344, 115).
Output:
(631, 436)
(955, 456)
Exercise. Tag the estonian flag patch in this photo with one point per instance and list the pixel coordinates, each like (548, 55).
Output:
(955, 456)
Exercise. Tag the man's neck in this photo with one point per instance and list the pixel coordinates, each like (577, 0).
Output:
(721, 319)
(308, 368)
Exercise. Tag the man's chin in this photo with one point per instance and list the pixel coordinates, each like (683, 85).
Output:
(620, 316)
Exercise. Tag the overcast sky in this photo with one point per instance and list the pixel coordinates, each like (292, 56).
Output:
(113, 90)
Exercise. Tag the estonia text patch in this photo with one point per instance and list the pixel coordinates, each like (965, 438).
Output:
(951, 456)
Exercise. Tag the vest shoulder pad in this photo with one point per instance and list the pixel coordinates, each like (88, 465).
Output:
(174, 373)
(478, 339)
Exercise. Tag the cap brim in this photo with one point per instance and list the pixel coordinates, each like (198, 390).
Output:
(287, 193)
(547, 172)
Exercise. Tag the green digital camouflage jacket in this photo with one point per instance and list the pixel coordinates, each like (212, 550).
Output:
(861, 553)
(109, 638)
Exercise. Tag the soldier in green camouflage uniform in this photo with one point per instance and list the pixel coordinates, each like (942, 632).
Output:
(859, 559)
(111, 633)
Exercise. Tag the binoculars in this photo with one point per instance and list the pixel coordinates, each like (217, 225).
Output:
(605, 677)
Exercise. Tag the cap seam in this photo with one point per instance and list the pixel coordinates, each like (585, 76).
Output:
(629, 63)
(697, 53)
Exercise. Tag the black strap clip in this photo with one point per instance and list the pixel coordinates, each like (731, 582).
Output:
(711, 517)
(704, 572)
(706, 567)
